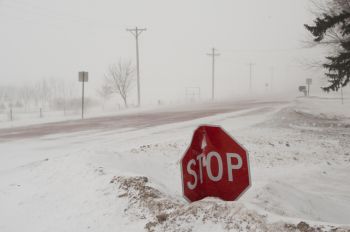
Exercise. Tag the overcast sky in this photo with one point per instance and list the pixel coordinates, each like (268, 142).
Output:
(51, 38)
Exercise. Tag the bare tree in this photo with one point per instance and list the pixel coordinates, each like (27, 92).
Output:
(3, 92)
(4, 96)
(120, 78)
(45, 92)
(26, 95)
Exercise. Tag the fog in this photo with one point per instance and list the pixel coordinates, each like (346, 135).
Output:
(56, 39)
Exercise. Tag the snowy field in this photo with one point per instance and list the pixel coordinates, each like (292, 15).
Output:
(129, 179)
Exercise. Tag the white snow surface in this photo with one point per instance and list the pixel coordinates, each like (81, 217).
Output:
(130, 180)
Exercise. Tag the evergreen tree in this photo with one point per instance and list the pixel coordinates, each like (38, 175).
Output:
(333, 28)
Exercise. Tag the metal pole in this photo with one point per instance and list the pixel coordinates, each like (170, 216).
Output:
(64, 106)
(308, 90)
(138, 69)
(213, 76)
(82, 101)
(250, 77)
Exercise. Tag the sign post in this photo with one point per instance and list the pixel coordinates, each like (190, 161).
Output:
(214, 165)
(308, 82)
(83, 77)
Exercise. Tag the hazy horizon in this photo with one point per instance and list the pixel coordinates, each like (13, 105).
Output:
(56, 39)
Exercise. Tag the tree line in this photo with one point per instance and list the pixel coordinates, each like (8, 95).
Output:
(48, 93)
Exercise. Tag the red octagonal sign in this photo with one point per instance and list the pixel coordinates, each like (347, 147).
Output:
(214, 165)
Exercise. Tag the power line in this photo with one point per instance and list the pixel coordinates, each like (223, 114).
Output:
(213, 54)
(136, 33)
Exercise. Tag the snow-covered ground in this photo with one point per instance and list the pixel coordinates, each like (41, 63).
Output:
(129, 179)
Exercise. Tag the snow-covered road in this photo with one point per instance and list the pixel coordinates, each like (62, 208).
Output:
(120, 176)
(137, 120)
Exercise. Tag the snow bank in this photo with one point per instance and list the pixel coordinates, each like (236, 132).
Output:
(324, 108)
(162, 213)
(129, 180)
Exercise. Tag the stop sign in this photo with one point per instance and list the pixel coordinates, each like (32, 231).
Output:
(214, 165)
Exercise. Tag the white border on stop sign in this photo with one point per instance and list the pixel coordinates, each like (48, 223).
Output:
(246, 151)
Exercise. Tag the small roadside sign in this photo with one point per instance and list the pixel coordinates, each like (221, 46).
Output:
(83, 76)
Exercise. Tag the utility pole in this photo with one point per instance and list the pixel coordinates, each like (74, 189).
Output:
(82, 100)
(308, 82)
(213, 54)
(250, 75)
(11, 113)
(83, 77)
(136, 32)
